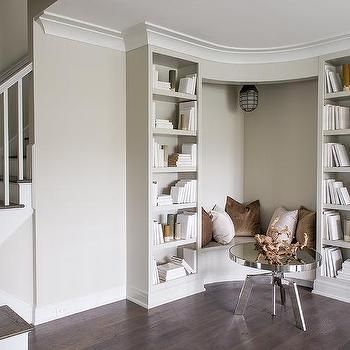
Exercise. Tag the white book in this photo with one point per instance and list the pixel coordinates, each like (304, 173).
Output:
(336, 186)
(345, 195)
(185, 85)
(342, 155)
(190, 256)
(335, 80)
(334, 226)
(337, 259)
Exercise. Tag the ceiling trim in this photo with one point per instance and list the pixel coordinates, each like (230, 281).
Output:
(149, 33)
(69, 28)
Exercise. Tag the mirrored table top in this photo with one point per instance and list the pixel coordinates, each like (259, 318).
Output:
(246, 254)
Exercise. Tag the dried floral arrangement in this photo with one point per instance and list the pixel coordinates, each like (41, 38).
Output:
(274, 251)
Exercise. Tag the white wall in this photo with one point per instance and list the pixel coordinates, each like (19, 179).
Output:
(280, 147)
(13, 32)
(79, 175)
(222, 137)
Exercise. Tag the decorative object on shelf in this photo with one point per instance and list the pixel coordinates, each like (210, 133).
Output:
(346, 77)
(172, 79)
(276, 252)
(178, 231)
(167, 233)
(346, 230)
(171, 223)
(248, 98)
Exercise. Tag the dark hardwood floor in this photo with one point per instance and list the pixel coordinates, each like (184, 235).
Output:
(203, 321)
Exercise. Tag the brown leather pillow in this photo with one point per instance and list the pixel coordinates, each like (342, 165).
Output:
(207, 228)
(306, 224)
(246, 218)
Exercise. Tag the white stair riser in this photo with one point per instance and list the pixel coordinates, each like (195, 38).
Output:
(20, 193)
(17, 342)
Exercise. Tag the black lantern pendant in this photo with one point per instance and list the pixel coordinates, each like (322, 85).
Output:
(248, 98)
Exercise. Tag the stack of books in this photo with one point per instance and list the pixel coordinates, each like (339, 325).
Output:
(336, 117)
(187, 85)
(157, 233)
(164, 199)
(155, 276)
(188, 221)
(333, 82)
(164, 124)
(332, 229)
(335, 192)
(164, 85)
(184, 191)
(170, 271)
(160, 155)
(332, 261)
(182, 262)
(180, 160)
(191, 149)
(335, 155)
(188, 116)
(344, 272)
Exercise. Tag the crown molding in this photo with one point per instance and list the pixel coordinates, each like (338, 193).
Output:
(149, 33)
(69, 28)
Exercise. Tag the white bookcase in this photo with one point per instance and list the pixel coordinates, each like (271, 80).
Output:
(331, 287)
(141, 210)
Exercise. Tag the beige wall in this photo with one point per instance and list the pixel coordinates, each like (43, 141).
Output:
(280, 147)
(13, 32)
(79, 171)
(222, 137)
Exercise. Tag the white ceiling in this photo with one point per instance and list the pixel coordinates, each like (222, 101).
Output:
(241, 24)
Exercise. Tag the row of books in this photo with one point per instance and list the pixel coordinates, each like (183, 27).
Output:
(332, 261)
(184, 191)
(177, 267)
(157, 233)
(335, 155)
(344, 272)
(187, 116)
(163, 124)
(333, 81)
(188, 221)
(332, 228)
(187, 84)
(335, 192)
(336, 117)
(160, 155)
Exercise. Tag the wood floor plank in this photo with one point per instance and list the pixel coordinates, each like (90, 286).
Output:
(204, 321)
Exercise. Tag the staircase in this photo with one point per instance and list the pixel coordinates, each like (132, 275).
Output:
(16, 211)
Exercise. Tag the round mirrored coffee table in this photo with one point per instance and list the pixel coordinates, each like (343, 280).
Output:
(246, 254)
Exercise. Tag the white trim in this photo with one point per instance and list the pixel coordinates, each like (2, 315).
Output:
(22, 308)
(69, 28)
(51, 312)
(148, 33)
(137, 296)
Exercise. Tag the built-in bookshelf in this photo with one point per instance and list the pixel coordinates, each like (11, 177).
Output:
(333, 213)
(163, 174)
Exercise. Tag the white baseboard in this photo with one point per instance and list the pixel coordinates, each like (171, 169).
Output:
(137, 296)
(22, 308)
(52, 312)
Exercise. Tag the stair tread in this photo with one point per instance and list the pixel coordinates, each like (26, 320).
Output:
(10, 206)
(15, 180)
(12, 324)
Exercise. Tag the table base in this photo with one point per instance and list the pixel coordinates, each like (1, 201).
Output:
(276, 279)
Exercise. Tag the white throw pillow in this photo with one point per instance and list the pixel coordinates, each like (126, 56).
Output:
(223, 228)
(282, 225)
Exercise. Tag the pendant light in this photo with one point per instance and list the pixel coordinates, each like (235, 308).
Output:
(248, 98)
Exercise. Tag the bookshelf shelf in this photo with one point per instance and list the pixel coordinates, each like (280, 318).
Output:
(341, 95)
(174, 132)
(174, 243)
(175, 170)
(146, 146)
(324, 285)
(340, 169)
(336, 132)
(337, 207)
(172, 96)
(163, 208)
(338, 243)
